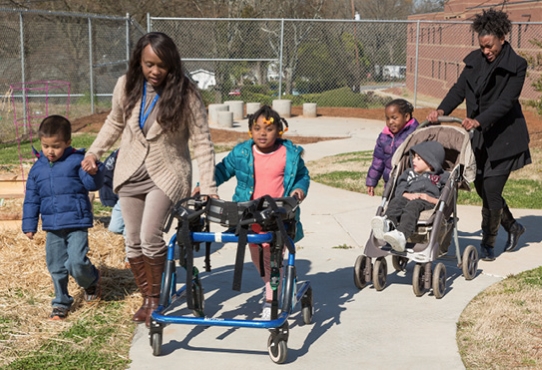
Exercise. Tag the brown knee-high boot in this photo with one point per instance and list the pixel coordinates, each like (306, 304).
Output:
(154, 267)
(137, 265)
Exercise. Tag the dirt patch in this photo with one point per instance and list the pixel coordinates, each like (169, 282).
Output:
(94, 122)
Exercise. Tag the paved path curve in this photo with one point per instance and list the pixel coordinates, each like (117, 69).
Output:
(351, 329)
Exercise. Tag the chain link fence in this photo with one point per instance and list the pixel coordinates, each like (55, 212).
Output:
(334, 63)
(86, 52)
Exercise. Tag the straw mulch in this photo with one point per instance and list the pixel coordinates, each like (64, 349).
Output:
(26, 290)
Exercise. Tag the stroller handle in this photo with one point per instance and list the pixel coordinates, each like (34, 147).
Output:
(441, 119)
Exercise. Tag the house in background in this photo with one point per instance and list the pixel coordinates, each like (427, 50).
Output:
(203, 78)
(442, 46)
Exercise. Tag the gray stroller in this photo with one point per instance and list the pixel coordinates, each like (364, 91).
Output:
(435, 227)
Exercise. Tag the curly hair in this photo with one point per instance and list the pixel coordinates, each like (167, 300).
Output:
(173, 105)
(492, 22)
(403, 106)
(267, 112)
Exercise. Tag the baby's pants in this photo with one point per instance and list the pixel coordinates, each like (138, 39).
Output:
(255, 254)
(405, 213)
(144, 217)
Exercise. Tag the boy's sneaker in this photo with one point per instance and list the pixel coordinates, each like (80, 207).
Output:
(266, 311)
(59, 313)
(396, 239)
(94, 293)
(380, 226)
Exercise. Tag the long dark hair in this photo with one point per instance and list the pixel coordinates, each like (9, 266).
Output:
(176, 86)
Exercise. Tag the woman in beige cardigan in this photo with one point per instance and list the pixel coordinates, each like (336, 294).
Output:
(156, 109)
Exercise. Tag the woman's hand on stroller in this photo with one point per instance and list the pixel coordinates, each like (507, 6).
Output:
(434, 115)
(298, 193)
(470, 124)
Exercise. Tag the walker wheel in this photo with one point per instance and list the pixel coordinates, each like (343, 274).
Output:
(156, 342)
(306, 306)
(418, 283)
(359, 271)
(380, 272)
(439, 280)
(469, 262)
(399, 262)
(278, 349)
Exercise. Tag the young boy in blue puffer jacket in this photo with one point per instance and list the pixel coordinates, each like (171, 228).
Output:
(57, 188)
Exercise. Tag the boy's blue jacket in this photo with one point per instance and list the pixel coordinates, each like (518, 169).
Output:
(59, 192)
(240, 163)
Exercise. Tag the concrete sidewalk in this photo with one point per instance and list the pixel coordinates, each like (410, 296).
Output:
(351, 329)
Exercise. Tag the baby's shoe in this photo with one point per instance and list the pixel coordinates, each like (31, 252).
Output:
(396, 239)
(266, 311)
(380, 226)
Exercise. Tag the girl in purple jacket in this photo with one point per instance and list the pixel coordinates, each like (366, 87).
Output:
(399, 124)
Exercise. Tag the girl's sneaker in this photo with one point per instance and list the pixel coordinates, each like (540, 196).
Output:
(266, 311)
(380, 226)
(59, 313)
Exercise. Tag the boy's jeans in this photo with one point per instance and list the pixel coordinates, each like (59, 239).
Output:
(66, 254)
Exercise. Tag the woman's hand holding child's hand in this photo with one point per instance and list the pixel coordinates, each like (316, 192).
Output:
(89, 164)
(298, 193)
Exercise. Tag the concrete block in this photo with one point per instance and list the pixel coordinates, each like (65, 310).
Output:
(309, 110)
(213, 112)
(253, 107)
(225, 119)
(283, 107)
(237, 107)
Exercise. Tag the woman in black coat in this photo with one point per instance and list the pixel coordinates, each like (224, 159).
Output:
(491, 84)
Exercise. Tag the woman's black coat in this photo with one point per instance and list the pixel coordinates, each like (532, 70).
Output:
(497, 108)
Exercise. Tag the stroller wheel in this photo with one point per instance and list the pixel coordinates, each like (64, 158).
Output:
(469, 262)
(439, 280)
(380, 272)
(359, 271)
(418, 280)
(399, 262)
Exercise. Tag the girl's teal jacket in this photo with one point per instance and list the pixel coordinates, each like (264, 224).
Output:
(240, 163)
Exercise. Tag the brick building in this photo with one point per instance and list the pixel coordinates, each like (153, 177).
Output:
(445, 38)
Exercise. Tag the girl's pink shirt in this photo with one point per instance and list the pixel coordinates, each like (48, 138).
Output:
(387, 131)
(269, 172)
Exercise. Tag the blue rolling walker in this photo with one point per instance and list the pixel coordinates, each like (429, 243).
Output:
(277, 219)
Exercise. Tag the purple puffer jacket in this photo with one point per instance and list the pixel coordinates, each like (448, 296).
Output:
(386, 144)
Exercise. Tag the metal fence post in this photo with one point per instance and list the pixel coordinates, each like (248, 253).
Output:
(90, 62)
(127, 38)
(280, 57)
(149, 26)
(416, 62)
(23, 78)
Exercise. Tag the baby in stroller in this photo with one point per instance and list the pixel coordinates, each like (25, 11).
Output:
(418, 189)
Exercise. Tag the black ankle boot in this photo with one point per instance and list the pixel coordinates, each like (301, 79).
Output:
(514, 229)
(491, 220)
